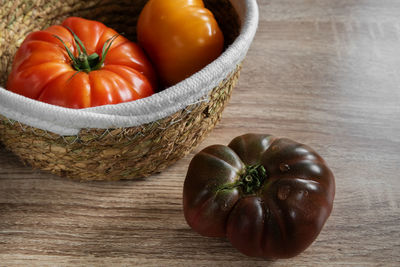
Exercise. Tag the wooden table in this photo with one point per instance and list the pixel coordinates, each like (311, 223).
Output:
(322, 72)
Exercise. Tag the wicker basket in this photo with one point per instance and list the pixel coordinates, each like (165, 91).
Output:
(108, 154)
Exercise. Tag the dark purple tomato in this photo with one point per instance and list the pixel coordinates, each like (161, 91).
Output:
(269, 196)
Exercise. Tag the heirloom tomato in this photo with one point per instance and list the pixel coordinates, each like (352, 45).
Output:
(80, 64)
(269, 196)
(180, 36)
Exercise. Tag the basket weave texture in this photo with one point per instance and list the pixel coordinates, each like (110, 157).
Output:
(111, 154)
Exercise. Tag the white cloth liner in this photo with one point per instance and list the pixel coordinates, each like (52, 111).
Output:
(65, 121)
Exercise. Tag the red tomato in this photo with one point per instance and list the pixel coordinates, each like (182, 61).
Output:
(43, 68)
(180, 36)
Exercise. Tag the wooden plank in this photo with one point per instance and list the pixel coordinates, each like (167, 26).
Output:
(325, 73)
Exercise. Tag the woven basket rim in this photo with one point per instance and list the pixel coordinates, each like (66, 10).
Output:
(65, 121)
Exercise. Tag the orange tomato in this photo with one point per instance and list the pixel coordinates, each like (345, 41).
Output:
(80, 64)
(180, 37)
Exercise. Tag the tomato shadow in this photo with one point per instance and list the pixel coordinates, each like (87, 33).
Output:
(214, 249)
(41, 213)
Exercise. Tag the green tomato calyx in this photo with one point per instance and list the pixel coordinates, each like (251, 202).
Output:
(252, 179)
(85, 62)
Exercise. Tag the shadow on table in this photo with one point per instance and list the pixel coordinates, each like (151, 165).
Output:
(47, 215)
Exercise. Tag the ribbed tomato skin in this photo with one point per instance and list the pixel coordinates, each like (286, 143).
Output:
(282, 217)
(42, 69)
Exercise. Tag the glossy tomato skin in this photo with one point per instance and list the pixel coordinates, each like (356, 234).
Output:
(278, 220)
(180, 36)
(206, 206)
(42, 69)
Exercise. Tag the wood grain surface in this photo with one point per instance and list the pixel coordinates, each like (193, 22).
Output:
(325, 73)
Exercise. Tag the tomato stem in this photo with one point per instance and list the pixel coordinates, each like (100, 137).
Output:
(250, 181)
(85, 62)
(85, 66)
